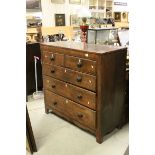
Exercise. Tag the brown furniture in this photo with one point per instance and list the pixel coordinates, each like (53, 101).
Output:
(33, 49)
(85, 84)
(30, 141)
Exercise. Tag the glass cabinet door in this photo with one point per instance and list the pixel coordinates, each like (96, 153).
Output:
(101, 4)
(97, 14)
(91, 36)
(109, 5)
(97, 4)
(113, 36)
(104, 36)
(92, 4)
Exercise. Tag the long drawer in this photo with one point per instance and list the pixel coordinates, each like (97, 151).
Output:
(71, 109)
(53, 58)
(68, 75)
(80, 64)
(71, 92)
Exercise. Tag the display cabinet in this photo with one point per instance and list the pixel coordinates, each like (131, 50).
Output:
(92, 4)
(103, 36)
(109, 4)
(101, 8)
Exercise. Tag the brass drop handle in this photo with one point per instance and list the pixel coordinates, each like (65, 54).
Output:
(79, 64)
(53, 86)
(55, 103)
(79, 79)
(79, 96)
(80, 115)
(52, 58)
(52, 71)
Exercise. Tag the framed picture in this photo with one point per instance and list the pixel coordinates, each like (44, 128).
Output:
(117, 16)
(124, 17)
(33, 5)
(74, 20)
(75, 1)
(59, 19)
(58, 1)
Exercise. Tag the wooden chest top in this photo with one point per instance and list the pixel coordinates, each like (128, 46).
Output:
(83, 47)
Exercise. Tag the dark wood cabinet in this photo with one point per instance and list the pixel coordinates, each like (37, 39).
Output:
(85, 84)
(33, 49)
(29, 134)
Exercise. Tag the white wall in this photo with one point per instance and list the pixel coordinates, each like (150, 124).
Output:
(119, 8)
(50, 9)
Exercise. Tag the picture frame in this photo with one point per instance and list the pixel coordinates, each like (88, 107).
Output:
(59, 19)
(117, 16)
(124, 17)
(33, 6)
(74, 20)
(75, 1)
(58, 1)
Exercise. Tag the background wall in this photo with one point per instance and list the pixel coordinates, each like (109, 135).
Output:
(120, 8)
(50, 9)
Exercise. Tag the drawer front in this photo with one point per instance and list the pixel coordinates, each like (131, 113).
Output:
(81, 65)
(84, 115)
(57, 103)
(71, 109)
(81, 54)
(67, 75)
(71, 92)
(53, 58)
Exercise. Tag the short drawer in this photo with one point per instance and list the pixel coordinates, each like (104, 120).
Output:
(71, 109)
(71, 92)
(76, 53)
(53, 58)
(80, 64)
(83, 80)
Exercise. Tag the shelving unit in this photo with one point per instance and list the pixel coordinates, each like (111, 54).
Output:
(33, 33)
(101, 8)
(109, 8)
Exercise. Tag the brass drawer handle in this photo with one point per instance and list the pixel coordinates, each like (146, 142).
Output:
(79, 64)
(53, 86)
(79, 96)
(54, 103)
(52, 58)
(52, 71)
(80, 115)
(79, 79)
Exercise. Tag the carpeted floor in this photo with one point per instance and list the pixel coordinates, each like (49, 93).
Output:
(55, 136)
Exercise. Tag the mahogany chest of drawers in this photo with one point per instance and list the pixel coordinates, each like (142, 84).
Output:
(85, 84)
